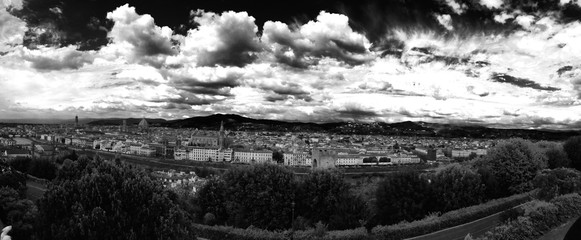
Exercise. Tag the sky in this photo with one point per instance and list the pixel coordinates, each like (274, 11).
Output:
(496, 63)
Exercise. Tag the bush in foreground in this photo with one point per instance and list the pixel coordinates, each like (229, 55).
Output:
(449, 219)
(111, 202)
(538, 218)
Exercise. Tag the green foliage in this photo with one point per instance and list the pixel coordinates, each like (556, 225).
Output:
(514, 163)
(449, 219)
(40, 168)
(402, 196)
(324, 196)
(556, 155)
(455, 187)
(556, 182)
(259, 195)
(110, 201)
(573, 149)
(12, 179)
(209, 219)
(19, 213)
(539, 217)
(21, 163)
(252, 233)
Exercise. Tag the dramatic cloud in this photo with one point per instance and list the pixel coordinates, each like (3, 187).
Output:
(456, 7)
(446, 21)
(227, 39)
(12, 29)
(137, 35)
(50, 59)
(329, 36)
(496, 63)
(492, 3)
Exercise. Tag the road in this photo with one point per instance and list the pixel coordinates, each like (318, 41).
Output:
(475, 228)
(35, 190)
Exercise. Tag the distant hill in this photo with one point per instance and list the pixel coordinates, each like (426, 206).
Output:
(240, 123)
(130, 121)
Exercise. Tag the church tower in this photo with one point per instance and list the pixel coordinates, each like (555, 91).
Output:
(76, 121)
(221, 136)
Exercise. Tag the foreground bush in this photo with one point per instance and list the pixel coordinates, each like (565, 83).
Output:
(251, 233)
(259, 195)
(110, 201)
(449, 219)
(538, 218)
(556, 182)
(514, 163)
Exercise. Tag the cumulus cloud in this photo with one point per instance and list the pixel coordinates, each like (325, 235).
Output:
(137, 35)
(227, 39)
(226, 64)
(491, 3)
(503, 16)
(456, 7)
(48, 59)
(446, 21)
(12, 30)
(329, 36)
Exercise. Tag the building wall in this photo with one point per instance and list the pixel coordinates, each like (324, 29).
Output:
(253, 156)
(324, 158)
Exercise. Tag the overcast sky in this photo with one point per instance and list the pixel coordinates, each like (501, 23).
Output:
(491, 62)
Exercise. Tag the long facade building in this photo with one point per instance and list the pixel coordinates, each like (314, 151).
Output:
(253, 156)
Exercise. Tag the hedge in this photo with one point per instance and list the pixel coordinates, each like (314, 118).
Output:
(231, 233)
(397, 231)
(539, 217)
(450, 219)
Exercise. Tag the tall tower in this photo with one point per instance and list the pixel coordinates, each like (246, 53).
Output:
(221, 136)
(76, 121)
(124, 128)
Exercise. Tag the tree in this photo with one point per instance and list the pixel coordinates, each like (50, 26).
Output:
(552, 183)
(456, 187)
(278, 156)
(324, 196)
(402, 196)
(573, 149)
(514, 163)
(19, 213)
(556, 155)
(12, 179)
(259, 195)
(110, 201)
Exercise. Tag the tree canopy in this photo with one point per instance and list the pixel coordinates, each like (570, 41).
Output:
(110, 201)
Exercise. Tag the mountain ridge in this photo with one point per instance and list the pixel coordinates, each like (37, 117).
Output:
(406, 128)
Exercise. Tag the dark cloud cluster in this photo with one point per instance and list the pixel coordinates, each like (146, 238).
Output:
(285, 91)
(520, 82)
(72, 59)
(216, 87)
(229, 39)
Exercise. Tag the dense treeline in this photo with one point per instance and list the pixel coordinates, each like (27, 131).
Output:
(15, 210)
(265, 196)
(98, 199)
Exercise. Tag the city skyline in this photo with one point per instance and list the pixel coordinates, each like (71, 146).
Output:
(488, 62)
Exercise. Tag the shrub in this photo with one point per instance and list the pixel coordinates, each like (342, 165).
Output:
(573, 149)
(514, 163)
(556, 182)
(209, 219)
(538, 218)
(449, 219)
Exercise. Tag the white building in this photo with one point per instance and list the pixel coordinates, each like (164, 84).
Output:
(404, 159)
(297, 159)
(349, 160)
(253, 156)
(180, 154)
